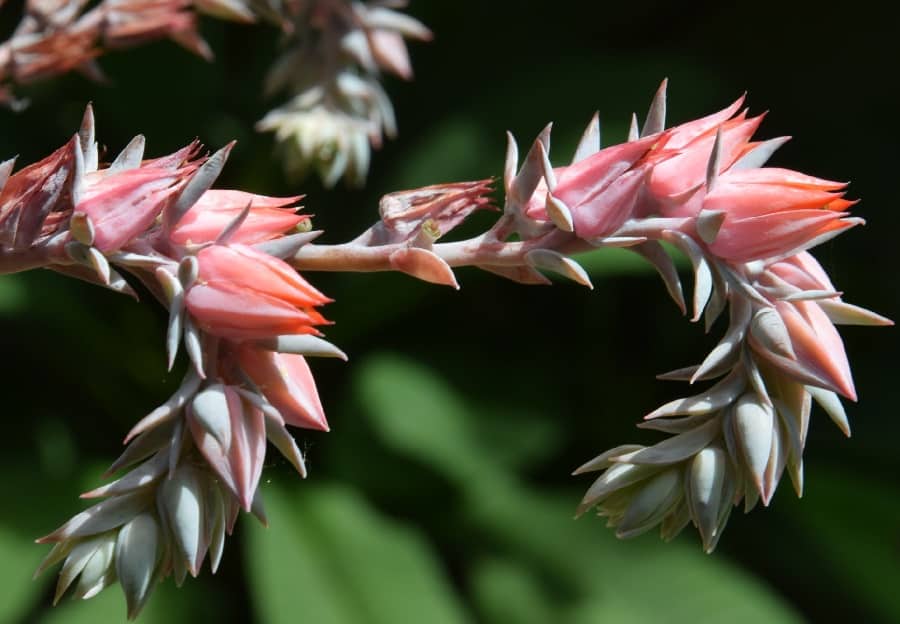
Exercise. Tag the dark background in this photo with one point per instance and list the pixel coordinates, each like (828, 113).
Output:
(442, 492)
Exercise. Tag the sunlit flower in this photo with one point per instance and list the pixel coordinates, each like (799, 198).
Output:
(774, 212)
(122, 204)
(268, 217)
(242, 293)
(287, 383)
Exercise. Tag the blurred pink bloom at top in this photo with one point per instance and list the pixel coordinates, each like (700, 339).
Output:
(243, 294)
(269, 217)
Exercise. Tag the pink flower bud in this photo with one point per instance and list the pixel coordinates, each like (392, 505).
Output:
(287, 383)
(124, 204)
(818, 345)
(687, 168)
(244, 294)
(269, 217)
(600, 191)
(774, 212)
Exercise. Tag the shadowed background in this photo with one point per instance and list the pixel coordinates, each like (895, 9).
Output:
(442, 493)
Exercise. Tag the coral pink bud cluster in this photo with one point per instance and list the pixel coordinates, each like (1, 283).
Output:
(245, 318)
(763, 212)
(702, 187)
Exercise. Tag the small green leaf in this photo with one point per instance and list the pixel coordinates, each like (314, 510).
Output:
(13, 295)
(329, 558)
(507, 592)
(415, 412)
(454, 146)
(855, 522)
(19, 559)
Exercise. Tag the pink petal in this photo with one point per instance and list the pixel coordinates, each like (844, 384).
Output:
(244, 267)
(741, 201)
(607, 211)
(802, 271)
(687, 169)
(772, 235)
(680, 136)
(125, 204)
(817, 343)
(229, 311)
(584, 180)
(288, 384)
(784, 177)
(248, 450)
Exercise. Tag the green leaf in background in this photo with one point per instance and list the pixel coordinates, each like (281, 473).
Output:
(508, 592)
(330, 558)
(107, 606)
(167, 605)
(13, 295)
(19, 560)
(34, 495)
(854, 521)
(455, 146)
(600, 579)
(416, 413)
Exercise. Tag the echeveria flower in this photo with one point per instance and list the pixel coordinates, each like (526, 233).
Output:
(286, 382)
(242, 293)
(123, 204)
(267, 218)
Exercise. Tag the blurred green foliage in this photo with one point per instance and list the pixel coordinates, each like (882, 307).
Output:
(442, 493)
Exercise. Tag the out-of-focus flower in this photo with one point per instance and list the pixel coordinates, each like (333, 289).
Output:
(331, 142)
(244, 294)
(57, 37)
(335, 52)
(133, 22)
(338, 109)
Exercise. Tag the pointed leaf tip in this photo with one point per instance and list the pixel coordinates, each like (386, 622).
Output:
(424, 265)
(656, 115)
(559, 213)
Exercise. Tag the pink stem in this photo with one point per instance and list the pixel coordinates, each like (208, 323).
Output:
(473, 252)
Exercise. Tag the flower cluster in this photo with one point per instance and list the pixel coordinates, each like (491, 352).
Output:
(247, 321)
(746, 229)
(700, 187)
